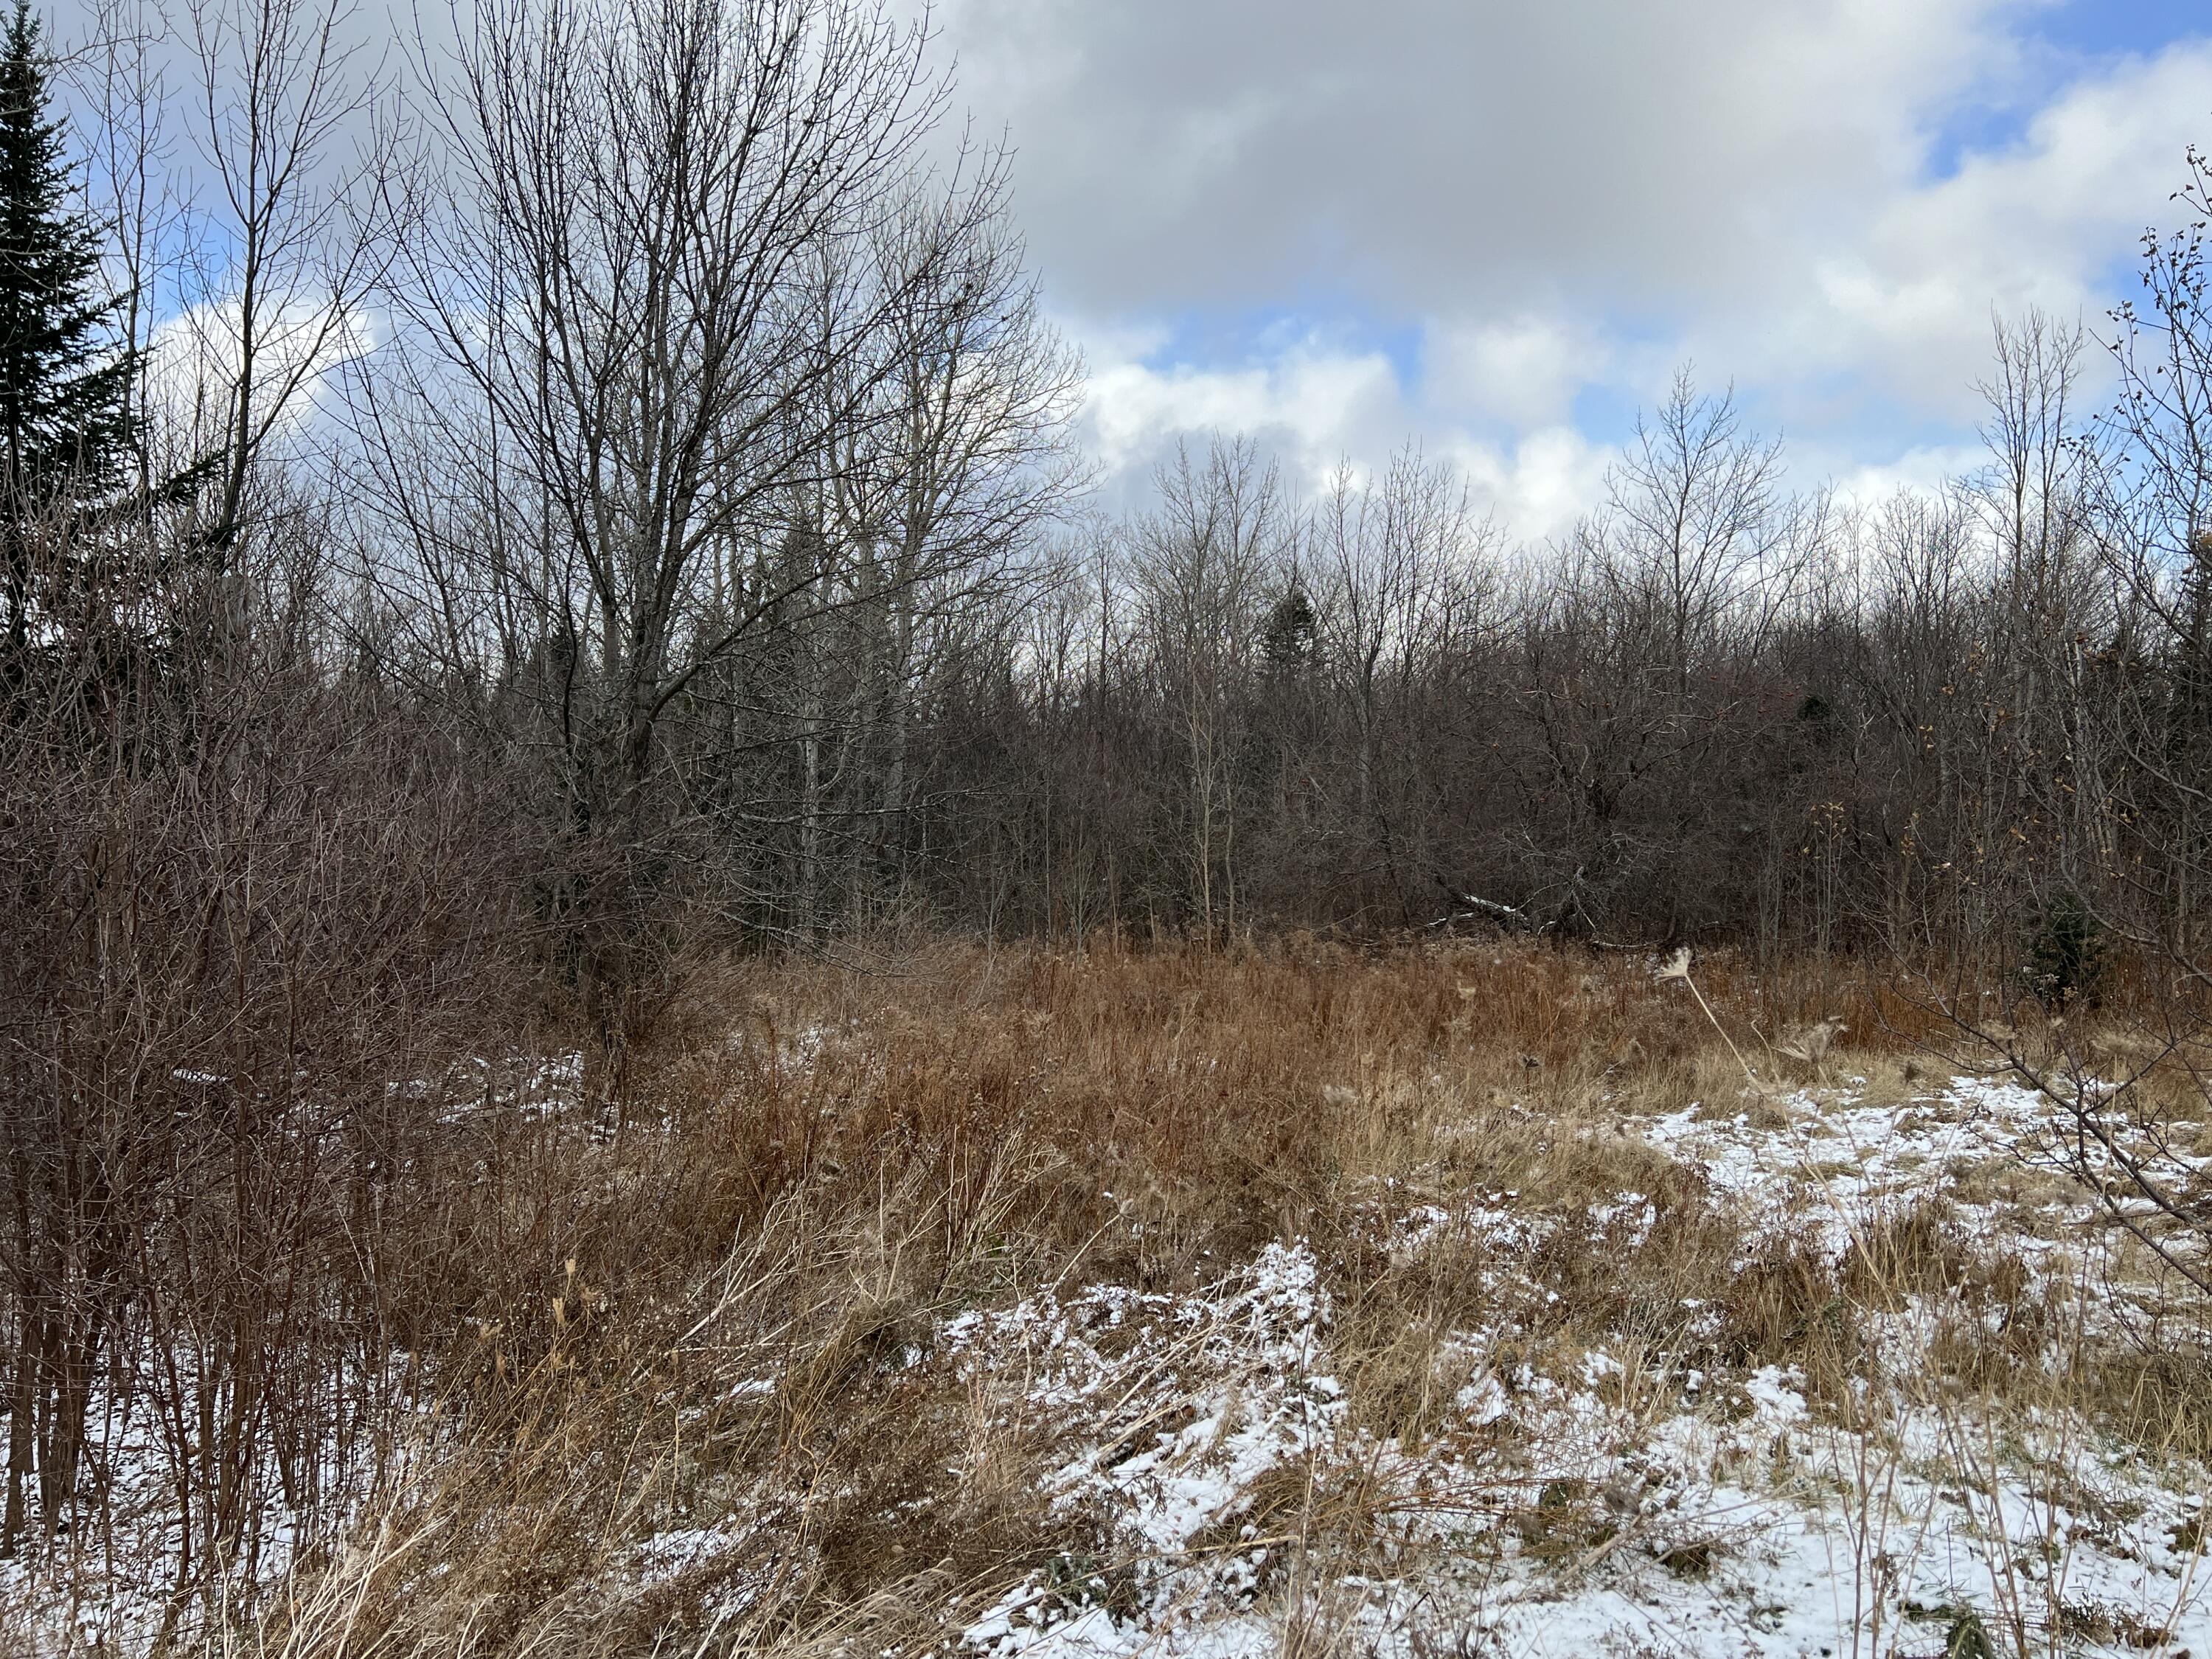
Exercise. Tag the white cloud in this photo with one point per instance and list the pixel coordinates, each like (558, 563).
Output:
(1537, 489)
(1922, 469)
(1906, 306)
(1524, 372)
(1317, 408)
(196, 357)
(1569, 199)
(1315, 403)
(1192, 152)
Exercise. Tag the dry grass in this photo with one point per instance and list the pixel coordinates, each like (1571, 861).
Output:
(727, 1321)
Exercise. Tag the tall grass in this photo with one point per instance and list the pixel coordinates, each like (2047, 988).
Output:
(676, 1376)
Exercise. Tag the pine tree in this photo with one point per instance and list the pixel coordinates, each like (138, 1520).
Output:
(1291, 633)
(64, 381)
(64, 384)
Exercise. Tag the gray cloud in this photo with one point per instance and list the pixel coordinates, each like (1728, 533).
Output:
(1429, 155)
(1564, 197)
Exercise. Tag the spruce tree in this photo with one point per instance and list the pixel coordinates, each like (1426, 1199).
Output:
(1293, 633)
(63, 382)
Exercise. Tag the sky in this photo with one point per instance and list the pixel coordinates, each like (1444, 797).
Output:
(1497, 228)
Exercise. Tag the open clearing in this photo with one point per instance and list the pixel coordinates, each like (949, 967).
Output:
(1455, 1301)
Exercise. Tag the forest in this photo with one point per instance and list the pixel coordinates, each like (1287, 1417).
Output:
(603, 826)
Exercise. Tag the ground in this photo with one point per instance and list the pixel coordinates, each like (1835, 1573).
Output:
(1455, 1299)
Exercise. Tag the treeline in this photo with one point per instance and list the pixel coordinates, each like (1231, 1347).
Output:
(1720, 712)
(709, 488)
(626, 509)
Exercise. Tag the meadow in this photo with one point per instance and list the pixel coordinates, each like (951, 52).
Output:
(1456, 1297)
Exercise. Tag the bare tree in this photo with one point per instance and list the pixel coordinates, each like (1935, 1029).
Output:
(1202, 561)
(120, 79)
(1392, 551)
(2090, 756)
(622, 290)
(285, 260)
(1696, 527)
(700, 354)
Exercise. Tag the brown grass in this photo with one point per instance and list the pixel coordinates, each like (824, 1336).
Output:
(727, 1314)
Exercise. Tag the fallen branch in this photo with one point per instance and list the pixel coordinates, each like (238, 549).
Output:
(1514, 919)
(1505, 915)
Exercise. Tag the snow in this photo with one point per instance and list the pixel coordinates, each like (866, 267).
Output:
(108, 1585)
(1583, 1493)
(1695, 1514)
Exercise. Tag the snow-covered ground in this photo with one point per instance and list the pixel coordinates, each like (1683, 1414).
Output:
(1578, 1488)
(112, 1585)
(1603, 1502)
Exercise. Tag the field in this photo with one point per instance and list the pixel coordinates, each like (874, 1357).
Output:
(1452, 1299)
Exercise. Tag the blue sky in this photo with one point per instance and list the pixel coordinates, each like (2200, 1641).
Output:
(1496, 228)
(2065, 41)
(2097, 26)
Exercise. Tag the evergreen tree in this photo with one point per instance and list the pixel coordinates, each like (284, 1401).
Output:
(64, 384)
(1291, 635)
(64, 381)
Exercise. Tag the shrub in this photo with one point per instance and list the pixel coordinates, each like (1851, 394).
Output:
(2066, 953)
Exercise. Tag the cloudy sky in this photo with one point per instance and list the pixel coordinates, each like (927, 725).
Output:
(1499, 226)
